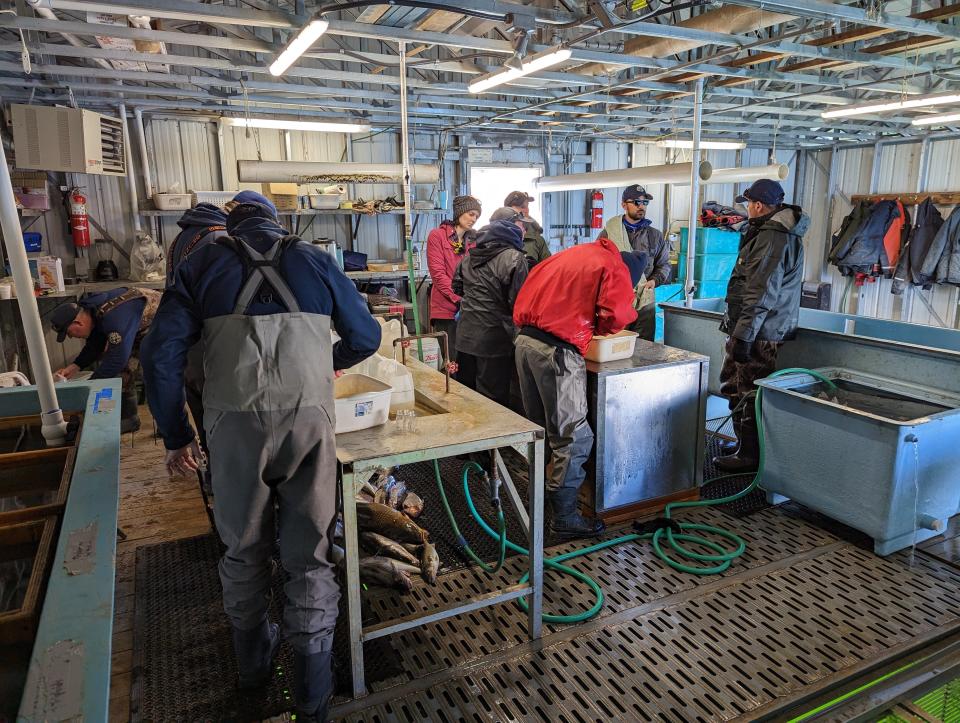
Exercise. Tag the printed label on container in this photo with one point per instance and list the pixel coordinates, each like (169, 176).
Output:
(362, 409)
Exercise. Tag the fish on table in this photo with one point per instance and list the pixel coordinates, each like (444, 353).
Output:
(389, 522)
(386, 572)
(429, 563)
(380, 545)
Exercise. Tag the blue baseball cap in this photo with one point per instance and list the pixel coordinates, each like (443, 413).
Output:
(765, 190)
(254, 197)
(635, 192)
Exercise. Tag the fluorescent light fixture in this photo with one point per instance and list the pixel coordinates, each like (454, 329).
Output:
(532, 64)
(919, 102)
(937, 120)
(704, 145)
(300, 44)
(296, 125)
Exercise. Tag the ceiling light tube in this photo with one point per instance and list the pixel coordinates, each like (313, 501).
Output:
(704, 145)
(297, 125)
(866, 109)
(532, 64)
(937, 120)
(298, 45)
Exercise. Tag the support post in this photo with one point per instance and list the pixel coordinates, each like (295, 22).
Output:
(351, 541)
(144, 158)
(535, 461)
(689, 284)
(53, 428)
(407, 201)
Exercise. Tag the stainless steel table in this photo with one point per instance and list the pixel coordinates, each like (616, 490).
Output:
(648, 416)
(448, 423)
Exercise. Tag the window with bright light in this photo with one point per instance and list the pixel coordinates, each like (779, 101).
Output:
(491, 184)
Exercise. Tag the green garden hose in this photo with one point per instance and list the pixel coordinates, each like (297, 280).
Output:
(667, 544)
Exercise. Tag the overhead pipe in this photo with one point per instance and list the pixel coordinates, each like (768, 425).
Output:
(131, 176)
(678, 174)
(53, 427)
(689, 282)
(48, 14)
(318, 172)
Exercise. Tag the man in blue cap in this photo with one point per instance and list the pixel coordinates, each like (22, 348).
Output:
(763, 308)
(633, 231)
(113, 323)
(264, 304)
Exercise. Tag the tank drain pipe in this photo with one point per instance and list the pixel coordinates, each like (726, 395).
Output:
(53, 428)
(144, 158)
(689, 283)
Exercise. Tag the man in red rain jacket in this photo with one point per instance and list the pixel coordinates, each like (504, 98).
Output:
(567, 299)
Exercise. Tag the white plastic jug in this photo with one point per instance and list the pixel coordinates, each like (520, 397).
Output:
(389, 331)
(389, 372)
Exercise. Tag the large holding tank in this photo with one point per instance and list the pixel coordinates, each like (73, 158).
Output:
(872, 452)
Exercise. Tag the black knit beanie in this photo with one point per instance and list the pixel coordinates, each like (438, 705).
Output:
(462, 204)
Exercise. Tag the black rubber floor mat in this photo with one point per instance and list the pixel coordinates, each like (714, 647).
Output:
(420, 479)
(753, 502)
(184, 667)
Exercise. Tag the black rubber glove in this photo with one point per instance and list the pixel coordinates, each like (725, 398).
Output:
(741, 350)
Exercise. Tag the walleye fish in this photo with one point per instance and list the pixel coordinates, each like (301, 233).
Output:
(384, 571)
(429, 563)
(390, 523)
(412, 505)
(407, 568)
(415, 549)
(380, 545)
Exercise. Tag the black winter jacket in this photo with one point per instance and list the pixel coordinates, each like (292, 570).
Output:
(942, 263)
(488, 280)
(865, 248)
(843, 239)
(910, 267)
(763, 296)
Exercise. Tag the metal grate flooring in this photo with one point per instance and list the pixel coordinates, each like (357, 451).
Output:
(799, 606)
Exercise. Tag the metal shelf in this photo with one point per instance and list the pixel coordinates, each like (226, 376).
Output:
(312, 212)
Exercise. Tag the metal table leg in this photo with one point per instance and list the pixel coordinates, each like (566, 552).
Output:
(351, 548)
(535, 535)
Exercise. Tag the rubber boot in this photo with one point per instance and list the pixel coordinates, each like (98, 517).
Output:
(566, 523)
(313, 685)
(747, 458)
(129, 419)
(255, 650)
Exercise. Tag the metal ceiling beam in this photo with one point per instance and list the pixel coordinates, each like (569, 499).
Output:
(829, 11)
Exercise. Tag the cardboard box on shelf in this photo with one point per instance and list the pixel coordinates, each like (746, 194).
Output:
(50, 273)
(285, 196)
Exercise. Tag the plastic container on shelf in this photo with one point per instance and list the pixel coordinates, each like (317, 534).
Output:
(612, 348)
(173, 201)
(361, 402)
(33, 242)
(216, 198)
(325, 201)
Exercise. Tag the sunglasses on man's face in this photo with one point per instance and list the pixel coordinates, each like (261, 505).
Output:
(639, 201)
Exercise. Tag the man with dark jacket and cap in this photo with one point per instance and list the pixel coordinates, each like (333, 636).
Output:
(633, 231)
(113, 323)
(201, 225)
(488, 280)
(585, 291)
(534, 244)
(763, 308)
(264, 304)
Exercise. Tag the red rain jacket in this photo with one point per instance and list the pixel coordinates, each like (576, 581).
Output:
(580, 293)
(893, 239)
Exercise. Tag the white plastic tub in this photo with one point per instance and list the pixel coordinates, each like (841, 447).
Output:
(361, 402)
(324, 201)
(173, 201)
(217, 198)
(612, 348)
(389, 372)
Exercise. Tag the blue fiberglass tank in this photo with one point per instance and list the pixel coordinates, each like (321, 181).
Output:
(875, 453)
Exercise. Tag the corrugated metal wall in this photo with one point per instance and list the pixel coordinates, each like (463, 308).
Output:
(889, 167)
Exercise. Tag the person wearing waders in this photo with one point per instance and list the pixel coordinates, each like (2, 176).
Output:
(264, 304)
(585, 291)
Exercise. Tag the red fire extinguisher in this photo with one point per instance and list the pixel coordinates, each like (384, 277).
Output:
(79, 221)
(596, 213)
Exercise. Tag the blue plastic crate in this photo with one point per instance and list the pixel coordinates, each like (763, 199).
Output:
(668, 292)
(658, 334)
(713, 241)
(710, 267)
(711, 290)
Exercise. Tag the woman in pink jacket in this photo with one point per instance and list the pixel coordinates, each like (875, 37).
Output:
(446, 247)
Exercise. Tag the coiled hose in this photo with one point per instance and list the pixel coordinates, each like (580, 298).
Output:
(667, 544)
